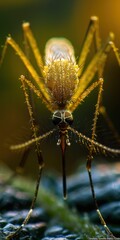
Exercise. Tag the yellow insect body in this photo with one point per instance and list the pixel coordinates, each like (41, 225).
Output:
(60, 71)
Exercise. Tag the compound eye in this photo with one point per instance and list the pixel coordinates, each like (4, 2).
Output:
(69, 121)
(68, 118)
(56, 118)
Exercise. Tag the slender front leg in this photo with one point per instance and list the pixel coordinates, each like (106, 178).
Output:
(81, 98)
(95, 200)
(37, 92)
(40, 162)
(99, 84)
(38, 151)
(41, 165)
(90, 158)
(93, 137)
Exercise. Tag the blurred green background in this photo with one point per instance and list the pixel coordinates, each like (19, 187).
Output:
(52, 18)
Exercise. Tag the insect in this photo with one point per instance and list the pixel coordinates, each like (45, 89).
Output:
(62, 85)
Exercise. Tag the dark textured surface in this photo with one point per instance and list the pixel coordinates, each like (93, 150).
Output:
(107, 189)
(14, 206)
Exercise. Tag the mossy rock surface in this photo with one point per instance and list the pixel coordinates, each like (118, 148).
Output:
(53, 218)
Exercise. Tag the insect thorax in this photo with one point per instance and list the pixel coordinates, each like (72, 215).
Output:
(61, 70)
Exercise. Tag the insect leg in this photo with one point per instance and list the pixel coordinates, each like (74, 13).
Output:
(29, 35)
(109, 122)
(95, 200)
(98, 147)
(103, 110)
(95, 65)
(36, 91)
(90, 158)
(37, 79)
(81, 98)
(92, 33)
(40, 161)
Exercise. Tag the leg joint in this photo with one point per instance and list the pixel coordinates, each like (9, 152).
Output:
(26, 25)
(101, 80)
(94, 18)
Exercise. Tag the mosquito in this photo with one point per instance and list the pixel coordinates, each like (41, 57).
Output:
(63, 84)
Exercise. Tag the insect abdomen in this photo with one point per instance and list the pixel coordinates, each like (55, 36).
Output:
(60, 70)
